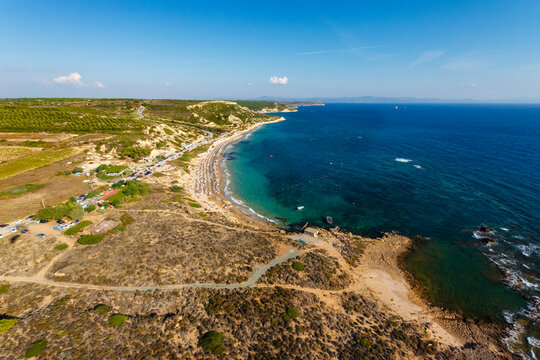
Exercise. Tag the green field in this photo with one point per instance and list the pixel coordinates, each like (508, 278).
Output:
(19, 190)
(61, 119)
(39, 159)
(68, 115)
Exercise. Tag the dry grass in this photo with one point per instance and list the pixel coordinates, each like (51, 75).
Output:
(39, 159)
(25, 254)
(11, 153)
(164, 248)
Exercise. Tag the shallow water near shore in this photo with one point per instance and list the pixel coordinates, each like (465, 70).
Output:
(438, 171)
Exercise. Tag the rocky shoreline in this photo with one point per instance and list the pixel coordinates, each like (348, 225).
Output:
(472, 333)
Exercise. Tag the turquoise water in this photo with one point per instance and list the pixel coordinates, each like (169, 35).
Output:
(437, 171)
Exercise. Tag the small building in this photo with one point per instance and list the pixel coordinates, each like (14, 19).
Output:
(104, 227)
(312, 231)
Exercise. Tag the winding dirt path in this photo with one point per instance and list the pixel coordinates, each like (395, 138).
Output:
(251, 282)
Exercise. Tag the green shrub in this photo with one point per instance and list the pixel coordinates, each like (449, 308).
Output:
(117, 319)
(70, 209)
(116, 198)
(102, 309)
(363, 341)
(78, 228)
(168, 131)
(33, 143)
(111, 169)
(176, 188)
(35, 349)
(4, 288)
(126, 219)
(90, 239)
(6, 324)
(135, 187)
(195, 205)
(298, 266)
(90, 208)
(291, 313)
(61, 247)
(398, 334)
(211, 341)
(135, 152)
(62, 301)
(77, 170)
(118, 228)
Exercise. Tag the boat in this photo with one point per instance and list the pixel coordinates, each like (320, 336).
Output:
(300, 207)
(329, 220)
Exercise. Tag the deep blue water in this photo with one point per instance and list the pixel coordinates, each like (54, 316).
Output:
(461, 166)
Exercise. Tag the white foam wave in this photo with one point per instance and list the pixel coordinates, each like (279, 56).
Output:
(505, 229)
(533, 341)
(528, 250)
(418, 166)
(402, 160)
(241, 205)
(508, 316)
(480, 234)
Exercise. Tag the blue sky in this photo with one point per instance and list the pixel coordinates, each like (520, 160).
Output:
(456, 49)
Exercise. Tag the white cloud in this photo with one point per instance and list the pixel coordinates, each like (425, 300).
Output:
(71, 79)
(427, 56)
(75, 79)
(469, 85)
(249, 84)
(279, 80)
(167, 84)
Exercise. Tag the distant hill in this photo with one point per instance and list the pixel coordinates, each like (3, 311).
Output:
(391, 100)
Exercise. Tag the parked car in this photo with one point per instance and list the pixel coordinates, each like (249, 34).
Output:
(13, 230)
(24, 231)
(43, 221)
(60, 221)
(41, 235)
(3, 225)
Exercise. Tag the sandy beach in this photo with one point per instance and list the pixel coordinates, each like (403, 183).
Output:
(206, 181)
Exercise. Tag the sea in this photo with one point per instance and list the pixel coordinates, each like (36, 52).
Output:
(434, 172)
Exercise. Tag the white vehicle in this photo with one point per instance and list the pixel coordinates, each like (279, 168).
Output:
(16, 222)
(1, 235)
(13, 230)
